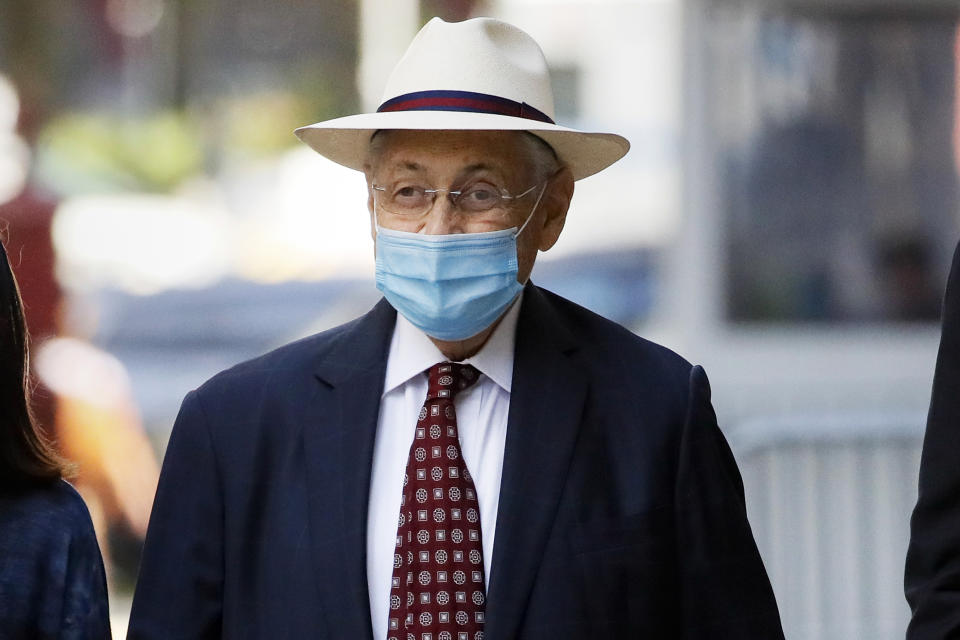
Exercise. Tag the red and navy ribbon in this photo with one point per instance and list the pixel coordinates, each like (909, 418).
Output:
(463, 101)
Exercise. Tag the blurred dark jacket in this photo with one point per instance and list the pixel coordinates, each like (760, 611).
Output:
(932, 578)
(52, 582)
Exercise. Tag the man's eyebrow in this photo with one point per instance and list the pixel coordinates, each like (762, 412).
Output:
(479, 166)
(409, 165)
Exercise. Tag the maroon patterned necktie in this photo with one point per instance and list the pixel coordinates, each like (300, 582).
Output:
(437, 592)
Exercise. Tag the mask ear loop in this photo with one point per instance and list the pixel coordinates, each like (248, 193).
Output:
(376, 221)
(543, 189)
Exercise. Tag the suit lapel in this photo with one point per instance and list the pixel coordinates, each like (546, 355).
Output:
(546, 403)
(339, 429)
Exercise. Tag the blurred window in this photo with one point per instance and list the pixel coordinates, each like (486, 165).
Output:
(833, 135)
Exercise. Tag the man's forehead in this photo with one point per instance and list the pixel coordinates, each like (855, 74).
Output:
(439, 156)
(417, 167)
(478, 150)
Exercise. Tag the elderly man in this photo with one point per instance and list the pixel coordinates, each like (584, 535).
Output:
(475, 457)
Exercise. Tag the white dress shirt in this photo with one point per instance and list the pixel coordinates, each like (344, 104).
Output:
(481, 421)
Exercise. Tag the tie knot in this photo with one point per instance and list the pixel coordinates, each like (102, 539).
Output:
(447, 379)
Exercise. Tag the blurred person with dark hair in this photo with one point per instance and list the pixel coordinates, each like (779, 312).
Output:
(932, 578)
(26, 222)
(81, 395)
(52, 581)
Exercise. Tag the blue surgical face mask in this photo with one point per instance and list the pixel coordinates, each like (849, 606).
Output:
(450, 286)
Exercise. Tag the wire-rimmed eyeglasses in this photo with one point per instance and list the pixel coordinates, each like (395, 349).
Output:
(409, 200)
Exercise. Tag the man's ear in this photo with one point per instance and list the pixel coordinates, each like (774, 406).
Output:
(556, 203)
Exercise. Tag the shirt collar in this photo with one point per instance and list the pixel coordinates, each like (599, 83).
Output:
(412, 352)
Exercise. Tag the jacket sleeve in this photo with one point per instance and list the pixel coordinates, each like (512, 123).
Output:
(725, 592)
(932, 578)
(86, 614)
(179, 592)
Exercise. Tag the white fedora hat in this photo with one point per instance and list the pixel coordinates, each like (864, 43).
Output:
(480, 74)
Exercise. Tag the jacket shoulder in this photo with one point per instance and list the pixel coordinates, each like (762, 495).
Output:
(606, 339)
(48, 512)
(301, 358)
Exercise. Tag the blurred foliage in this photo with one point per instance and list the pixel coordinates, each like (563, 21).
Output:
(263, 123)
(213, 79)
(81, 152)
(99, 151)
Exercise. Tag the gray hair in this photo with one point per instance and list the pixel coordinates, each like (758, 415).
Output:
(545, 160)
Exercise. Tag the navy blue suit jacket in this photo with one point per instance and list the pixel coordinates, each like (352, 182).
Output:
(621, 508)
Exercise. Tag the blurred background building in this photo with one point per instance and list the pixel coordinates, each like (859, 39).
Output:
(785, 217)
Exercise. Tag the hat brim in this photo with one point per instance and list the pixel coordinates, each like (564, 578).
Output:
(346, 140)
